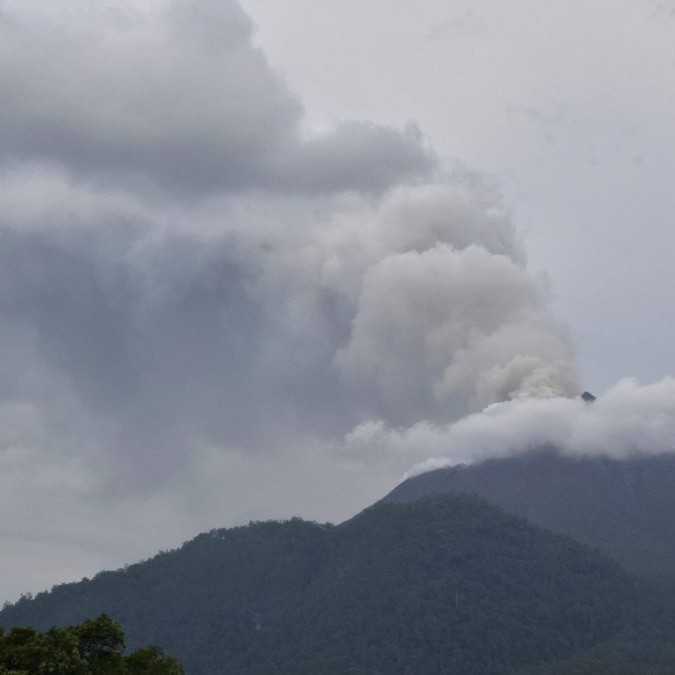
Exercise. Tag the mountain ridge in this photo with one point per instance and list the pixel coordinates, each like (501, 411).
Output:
(442, 584)
(619, 506)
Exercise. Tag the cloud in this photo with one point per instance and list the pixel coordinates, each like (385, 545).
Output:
(180, 365)
(175, 94)
(627, 420)
(209, 313)
(445, 332)
(316, 315)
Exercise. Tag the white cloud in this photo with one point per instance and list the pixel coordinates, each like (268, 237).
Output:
(627, 420)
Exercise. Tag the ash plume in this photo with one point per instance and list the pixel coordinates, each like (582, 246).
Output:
(209, 313)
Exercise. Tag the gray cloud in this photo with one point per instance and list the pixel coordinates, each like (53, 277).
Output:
(176, 95)
(172, 333)
(173, 364)
(588, 174)
(167, 368)
(210, 311)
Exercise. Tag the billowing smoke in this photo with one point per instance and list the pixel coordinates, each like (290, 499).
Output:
(628, 420)
(209, 314)
(253, 321)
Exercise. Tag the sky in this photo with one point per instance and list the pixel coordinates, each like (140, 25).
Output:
(264, 259)
(568, 107)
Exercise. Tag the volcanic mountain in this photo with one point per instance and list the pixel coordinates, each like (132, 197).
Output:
(444, 584)
(622, 507)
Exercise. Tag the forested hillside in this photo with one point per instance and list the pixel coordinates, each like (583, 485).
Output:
(442, 585)
(623, 507)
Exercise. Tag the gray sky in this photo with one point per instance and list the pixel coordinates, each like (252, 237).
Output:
(260, 260)
(569, 106)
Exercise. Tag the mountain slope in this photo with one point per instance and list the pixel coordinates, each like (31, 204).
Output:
(622, 507)
(646, 646)
(441, 585)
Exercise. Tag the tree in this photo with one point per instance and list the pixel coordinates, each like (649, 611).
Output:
(95, 647)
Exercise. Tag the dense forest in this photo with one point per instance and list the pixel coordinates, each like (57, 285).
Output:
(95, 647)
(447, 584)
(645, 646)
(622, 507)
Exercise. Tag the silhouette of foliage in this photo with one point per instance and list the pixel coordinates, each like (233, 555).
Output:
(96, 647)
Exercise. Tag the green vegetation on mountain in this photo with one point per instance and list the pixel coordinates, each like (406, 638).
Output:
(645, 646)
(96, 647)
(441, 585)
(622, 507)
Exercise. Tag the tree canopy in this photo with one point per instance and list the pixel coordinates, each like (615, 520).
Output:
(95, 647)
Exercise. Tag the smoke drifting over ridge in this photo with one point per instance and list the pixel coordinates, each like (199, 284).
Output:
(209, 313)
(628, 420)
